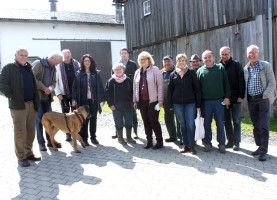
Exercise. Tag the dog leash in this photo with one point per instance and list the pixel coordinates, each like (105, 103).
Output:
(82, 121)
(66, 122)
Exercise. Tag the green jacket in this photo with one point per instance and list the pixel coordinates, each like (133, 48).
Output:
(11, 85)
(38, 71)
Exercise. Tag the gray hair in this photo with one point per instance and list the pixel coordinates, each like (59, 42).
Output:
(224, 47)
(56, 55)
(66, 51)
(207, 51)
(119, 66)
(252, 46)
(20, 49)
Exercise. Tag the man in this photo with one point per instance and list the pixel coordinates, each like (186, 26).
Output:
(130, 70)
(232, 112)
(195, 62)
(18, 84)
(169, 116)
(65, 74)
(215, 92)
(45, 74)
(260, 87)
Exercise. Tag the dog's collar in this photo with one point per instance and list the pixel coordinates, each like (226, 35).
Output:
(81, 119)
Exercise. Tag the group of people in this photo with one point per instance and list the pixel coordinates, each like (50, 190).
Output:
(215, 90)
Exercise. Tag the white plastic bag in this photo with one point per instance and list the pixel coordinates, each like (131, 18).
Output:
(199, 127)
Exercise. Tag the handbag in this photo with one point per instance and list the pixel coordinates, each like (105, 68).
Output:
(199, 127)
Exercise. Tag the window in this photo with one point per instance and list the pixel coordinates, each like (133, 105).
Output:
(146, 8)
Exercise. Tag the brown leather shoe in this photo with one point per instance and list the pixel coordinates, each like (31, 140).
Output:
(185, 149)
(192, 151)
(33, 158)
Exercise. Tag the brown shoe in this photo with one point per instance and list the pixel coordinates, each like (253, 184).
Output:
(192, 151)
(33, 158)
(185, 149)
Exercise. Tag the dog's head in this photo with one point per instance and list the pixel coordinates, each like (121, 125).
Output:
(84, 110)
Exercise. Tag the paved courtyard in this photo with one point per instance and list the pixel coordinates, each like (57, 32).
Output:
(114, 171)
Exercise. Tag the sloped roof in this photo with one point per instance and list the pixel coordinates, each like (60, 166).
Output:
(32, 15)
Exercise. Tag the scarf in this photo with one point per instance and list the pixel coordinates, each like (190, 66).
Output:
(119, 79)
(64, 77)
(183, 71)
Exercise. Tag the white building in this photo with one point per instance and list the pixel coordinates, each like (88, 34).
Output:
(97, 34)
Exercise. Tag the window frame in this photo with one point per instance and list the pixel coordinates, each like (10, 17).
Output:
(146, 7)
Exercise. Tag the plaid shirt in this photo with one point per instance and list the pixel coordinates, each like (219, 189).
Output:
(254, 82)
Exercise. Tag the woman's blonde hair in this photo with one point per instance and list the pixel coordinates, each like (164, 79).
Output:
(181, 55)
(147, 55)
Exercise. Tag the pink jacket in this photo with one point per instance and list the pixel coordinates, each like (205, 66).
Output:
(154, 82)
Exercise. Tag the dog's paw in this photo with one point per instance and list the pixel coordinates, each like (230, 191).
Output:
(55, 149)
(77, 151)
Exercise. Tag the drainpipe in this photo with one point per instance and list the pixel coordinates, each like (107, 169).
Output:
(270, 53)
(270, 33)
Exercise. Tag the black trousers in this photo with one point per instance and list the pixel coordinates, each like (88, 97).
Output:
(259, 113)
(91, 122)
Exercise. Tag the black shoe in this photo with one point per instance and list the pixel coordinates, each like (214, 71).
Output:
(159, 145)
(68, 137)
(136, 136)
(257, 152)
(170, 139)
(94, 141)
(149, 145)
(33, 158)
(229, 145)
(24, 163)
(42, 147)
(181, 142)
(114, 136)
(86, 143)
(236, 147)
(262, 157)
(57, 145)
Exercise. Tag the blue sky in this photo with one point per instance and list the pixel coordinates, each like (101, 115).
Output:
(92, 6)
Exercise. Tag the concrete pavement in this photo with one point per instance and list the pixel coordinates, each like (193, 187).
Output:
(114, 171)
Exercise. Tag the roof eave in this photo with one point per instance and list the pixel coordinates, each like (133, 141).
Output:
(58, 22)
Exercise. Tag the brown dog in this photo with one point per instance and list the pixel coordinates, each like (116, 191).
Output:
(72, 123)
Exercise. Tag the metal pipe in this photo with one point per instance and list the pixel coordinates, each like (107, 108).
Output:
(92, 40)
(270, 53)
(270, 33)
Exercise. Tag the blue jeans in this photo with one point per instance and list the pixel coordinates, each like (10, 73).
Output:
(233, 131)
(123, 117)
(260, 116)
(186, 114)
(214, 108)
(44, 106)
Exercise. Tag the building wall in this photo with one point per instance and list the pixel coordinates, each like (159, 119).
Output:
(14, 34)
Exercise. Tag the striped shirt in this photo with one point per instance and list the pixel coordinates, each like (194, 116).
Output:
(254, 82)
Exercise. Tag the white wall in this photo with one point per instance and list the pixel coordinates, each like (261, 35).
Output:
(14, 34)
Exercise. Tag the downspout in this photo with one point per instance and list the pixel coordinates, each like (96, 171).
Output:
(270, 33)
(270, 53)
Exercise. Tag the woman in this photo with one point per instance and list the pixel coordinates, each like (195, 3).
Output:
(184, 97)
(148, 97)
(88, 89)
(119, 93)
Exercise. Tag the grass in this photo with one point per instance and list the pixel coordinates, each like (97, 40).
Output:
(246, 124)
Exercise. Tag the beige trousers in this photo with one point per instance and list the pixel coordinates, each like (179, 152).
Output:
(24, 122)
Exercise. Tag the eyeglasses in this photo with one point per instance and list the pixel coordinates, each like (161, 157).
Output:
(227, 54)
(143, 59)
